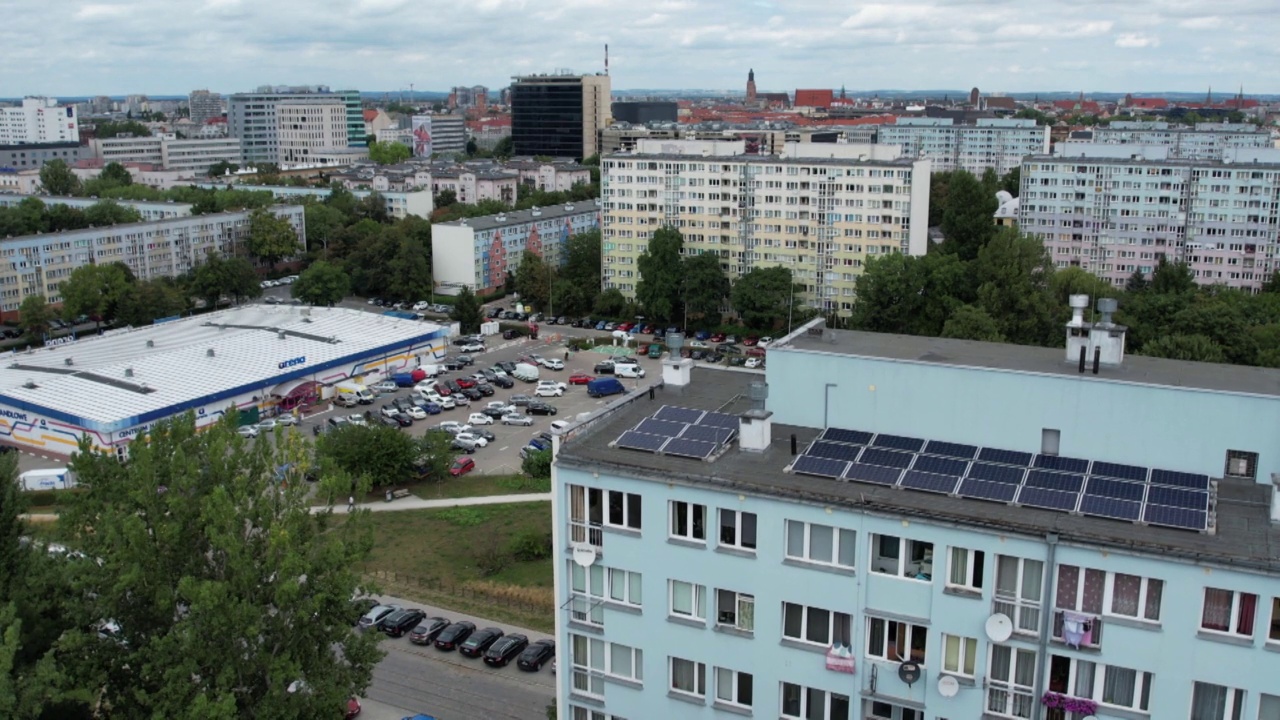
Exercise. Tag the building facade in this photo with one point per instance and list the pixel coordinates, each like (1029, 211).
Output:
(859, 549)
(150, 211)
(477, 253)
(310, 129)
(448, 134)
(647, 111)
(195, 156)
(254, 118)
(204, 106)
(823, 217)
(35, 155)
(38, 121)
(992, 143)
(399, 204)
(1208, 141)
(1114, 213)
(559, 115)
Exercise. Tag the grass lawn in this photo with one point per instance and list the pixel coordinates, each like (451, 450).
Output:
(473, 485)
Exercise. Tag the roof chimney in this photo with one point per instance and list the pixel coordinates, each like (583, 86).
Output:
(675, 369)
(755, 428)
(1077, 328)
(1106, 336)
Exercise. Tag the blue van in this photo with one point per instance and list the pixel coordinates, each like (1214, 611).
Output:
(605, 386)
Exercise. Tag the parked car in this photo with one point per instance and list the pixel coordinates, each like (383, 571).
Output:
(454, 635)
(390, 410)
(502, 406)
(469, 437)
(472, 347)
(520, 400)
(472, 394)
(507, 366)
(466, 360)
(287, 420)
(516, 419)
(601, 387)
(427, 630)
(337, 422)
(414, 412)
(715, 338)
(766, 340)
(401, 622)
(453, 427)
(463, 382)
(505, 649)
(553, 364)
(249, 431)
(353, 708)
(548, 391)
(536, 655)
(486, 434)
(559, 426)
(358, 420)
(538, 407)
(392, 421)
(580, 378)
(479, 419)
(479, 641)
(750, 341)
(604, 367)
(385, 386)
(510, 334)
(429, 407)
(460, 399)
(504, 382)
(754, 362)
(485, 389)
(462, 466)
(360, 606)
(375, 616)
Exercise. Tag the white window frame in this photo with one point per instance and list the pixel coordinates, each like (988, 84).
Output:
(631, 587)
(698, 601)
(1141, 687)
(587, 672)
(729, 687)
(1144, 589)
(743, 606)
(626, 511)
(1012, 689)
(966, 655)
(1232, 708)
(737, 536)
(889, 635)
(1233, 629)
(896, 712)
(1080, 584)
(1273, 629)
(636, 662)
(837, 533)
(690, 512)
(1026, 610)
(970, 559)
(805, 711)
(907, 565)
(833, 616)
(587, 603)
(700, 678)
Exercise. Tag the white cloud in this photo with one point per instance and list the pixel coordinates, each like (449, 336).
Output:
(1137, 40)
(1209, 22)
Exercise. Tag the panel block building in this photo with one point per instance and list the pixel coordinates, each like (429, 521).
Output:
(1207, 141)
(991, 143)
(39, 120)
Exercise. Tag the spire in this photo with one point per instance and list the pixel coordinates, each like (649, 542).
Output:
(842, 96)
(1208, 99)
(751, 75)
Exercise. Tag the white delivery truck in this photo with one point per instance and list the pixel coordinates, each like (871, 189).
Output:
(355, 391)
(431, 369)
(525, 372)
(50, 479)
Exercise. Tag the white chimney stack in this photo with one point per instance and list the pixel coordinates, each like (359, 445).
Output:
(1077, 329)
(1275, 497)
(755, 430)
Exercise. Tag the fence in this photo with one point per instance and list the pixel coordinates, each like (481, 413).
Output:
(527, 600)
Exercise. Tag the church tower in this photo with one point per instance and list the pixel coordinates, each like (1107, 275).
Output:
(751, 86)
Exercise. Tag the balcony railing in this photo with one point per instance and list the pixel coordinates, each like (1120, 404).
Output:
(1009, 700)
(1025, 614)
(1091, 632)
(586, 533)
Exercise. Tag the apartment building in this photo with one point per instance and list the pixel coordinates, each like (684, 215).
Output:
(204, 106)
(35, 155)
(1207, 141)
(835, 538)
(550, 176)
(254, 118)
(559, 115)
(822, 216)
(477, 253)
(990, 144)
(194, 156)
(1113, 211)
(448, 134)
(471, 185)
(39, 120)
(37, 264)
(399, 204)
(150, 211)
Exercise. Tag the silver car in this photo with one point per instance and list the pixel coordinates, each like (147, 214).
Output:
(516, 419)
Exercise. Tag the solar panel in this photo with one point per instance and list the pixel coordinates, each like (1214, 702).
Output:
(947, 449)
(634, 440)
(666, 428)
(986, 490)
(689, 448)
(1063, 464)
(822, 467)
(1116, 470)
(854, 437)
(887, 458)
(1048, 499)
(708, 433)
(1118, 489)
(931, 482)
(678, 414)
(720, 420)
(1112, 508)
(899, 442)
(1173, 478)
(997, 473)
(940, 465)
(1005, 457)
(1054, 481)
(872, 474)
(1177, 497)
(1181, 518)
(838, 451)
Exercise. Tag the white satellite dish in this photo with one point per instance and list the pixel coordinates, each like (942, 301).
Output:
(584, 554)
(999, 627)
(948, 686)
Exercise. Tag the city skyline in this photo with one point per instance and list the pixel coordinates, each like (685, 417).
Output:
(147, 46)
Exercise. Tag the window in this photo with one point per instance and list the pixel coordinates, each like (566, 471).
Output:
(813, 704)
(891, 555)
(1019, 589)
(815, 625)
(1215, 702)
(1126, 688)
(895, 641)
(736, 610)
(1226, 611)
(625, 662)
(967, 568)
(624, 510)
(588, 593)
(1050, 440)
(587, 657)
(582, 713)
(1081, 589)
(688, 521)
(1269, 707)
(688, 600)
(820, 544)
(1133, 596)
(1010, 682)
(880, 710)
(1273, 633)
(688, 677)
(733, 687)
(959, 654)
(624, 587)
(738, 529)
(1241, 464)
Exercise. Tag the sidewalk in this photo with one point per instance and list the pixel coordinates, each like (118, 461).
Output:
(416, 503)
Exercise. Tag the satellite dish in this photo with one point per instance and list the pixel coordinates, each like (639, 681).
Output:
(948, 686)
(584, 554)
(999, 628)
(909, 672)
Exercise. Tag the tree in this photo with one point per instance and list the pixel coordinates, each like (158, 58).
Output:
(659, 289)
(228, 590)
(1012, 181)
(537, 464)
(373, 207)
(410, 271)
(271, 237)
(142, 302)
(1197, 348)
(913, 295)
(967, 222)
(322, 222)
(110, 129)
(116, 173)
(610, 303)
(1033, 114)
(472, 148)
(533, 281)
(466, 310)
(35, 316)
(705, 286)
(1137, 283)
(505, 147)
(95, 290)
(446, 198)
(1013, 274)
(322, 285)
(572, 298)
(222, 168)
(764, 296)
(389, 153)
(57, 179)
(110, 212)
(1272, 283)
(219, 277)
(1170, 278)
(379, 454)
(972, 323)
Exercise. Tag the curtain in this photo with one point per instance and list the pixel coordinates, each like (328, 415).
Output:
(1032, 579)
(681, 598)
(1270, 708)
(682, 675)
(791, 699)
(846, 549)
(817, 704)
(1094, 584)
(1001, 662)
(1007, 576)
(620, 660)
(1084, 678)
(1117, 686)
(1217, 610)
(747, 613)
(1124, 595)
(1068, 579)
(959, 566)
(1208, 702)
(1025, 669)
(724, 684)
(1248, 610)
(1155, 588)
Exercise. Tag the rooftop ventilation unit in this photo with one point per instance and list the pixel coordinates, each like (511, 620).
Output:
(68, 361)
(151, 343)
(282, 335)
(128, 372)
(208, 353)
(30, 385)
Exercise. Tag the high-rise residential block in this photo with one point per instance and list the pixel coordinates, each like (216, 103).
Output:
(992, 143)
(1207, 141)
(253, 117)
(204, 105)
(39, 120)
(559, 115)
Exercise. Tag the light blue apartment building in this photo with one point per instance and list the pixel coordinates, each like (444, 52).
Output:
(990, 144)
(917, 528)
(1206, 141)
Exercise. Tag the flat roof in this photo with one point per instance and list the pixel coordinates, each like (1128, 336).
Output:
(125, 378)
(1244, 536)
(520, 217)
(1027, 358)
(758, 159)
(1243, 164)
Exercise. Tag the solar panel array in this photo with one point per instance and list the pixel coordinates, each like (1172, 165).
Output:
(1096, 488)
(683, 432)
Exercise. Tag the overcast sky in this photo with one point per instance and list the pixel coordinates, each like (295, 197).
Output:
(157, 47)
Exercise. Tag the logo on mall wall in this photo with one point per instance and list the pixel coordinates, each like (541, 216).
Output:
(293, 362)
(13, 415)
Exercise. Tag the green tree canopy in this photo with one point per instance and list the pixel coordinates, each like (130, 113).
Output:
(504, 148)
(765, 296)
(1013, 273)
(705, 286)
(381, 455)
(95, 290)
(446, 198)
(972, 323)
(116, 173)
(322, 223)
(660, 286)
(271, 237)
(219, 277)
(1172, 278)
(111, 128)
(35, 316)
(411, 271)
(1197, 348)
(389, 153)
(221, 168)
(110, 212)
(610, 303)
(145, 301)
(321, 284)
(912, 295)
(466, 310)
(967, 222)
(533, 281)
(57, 179)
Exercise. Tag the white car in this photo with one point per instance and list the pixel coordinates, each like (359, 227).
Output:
(621, 335)
(504, 406)
(287, 420)
(415, 412)
(267, 425)
(357, 420)
(421, 305)
(446, 403)
(453, 427)
(266, 284)
(498, 371)
(553, 384)
(460, 400)
(559, 426)
(386, 386)
(516, 419)
(473, 347)
(754, 362)
(537, 359)
(472, 438)
(553, 364)
(765, 340)
(548, 391)
(249, 431)
(479, 419)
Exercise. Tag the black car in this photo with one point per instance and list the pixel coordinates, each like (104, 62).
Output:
(536, 655)
(538, 407)
(562, 320)
(393, 421)
(520, 400)
(487, 435)
(451, 364)
(479, 641)
(495, 312)
(466, 360)
(462, 341)
(472, 394)
(485, 389)
(427, 630)
(495, 413)
(604, 368)
(504, 382)
(454, 635)
(510, 334)
(546, 436)
(505, 650)
(360, 607)
(402, 404)
(403, 419)
(402, 621)
(488, 374)
(453, 385)
(507, 366)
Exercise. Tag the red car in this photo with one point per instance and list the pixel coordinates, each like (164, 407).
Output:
(718, 337)
(465, 382)
(443, 390)
(625, 327)
(751, 341)
(580, 379)
(353, 708)
(462, 466)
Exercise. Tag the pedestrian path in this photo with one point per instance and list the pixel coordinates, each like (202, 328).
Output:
(416, 503)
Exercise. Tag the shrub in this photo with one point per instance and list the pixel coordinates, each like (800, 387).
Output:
(491, 559)
(463, 516)
(537, 464)
(530, 545)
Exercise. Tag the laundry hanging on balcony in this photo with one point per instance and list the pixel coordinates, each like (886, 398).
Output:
(840, 659)
(1077, 629)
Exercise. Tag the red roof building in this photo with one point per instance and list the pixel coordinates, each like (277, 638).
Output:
(814, 98)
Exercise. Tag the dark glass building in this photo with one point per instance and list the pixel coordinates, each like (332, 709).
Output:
(640, 113)
(558, 115)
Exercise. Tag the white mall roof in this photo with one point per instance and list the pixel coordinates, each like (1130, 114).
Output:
(172, 371)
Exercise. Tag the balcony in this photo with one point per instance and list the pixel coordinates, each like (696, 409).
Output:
(1010, 701)
(1090, 636)
(586, 533)
(1025, 614)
